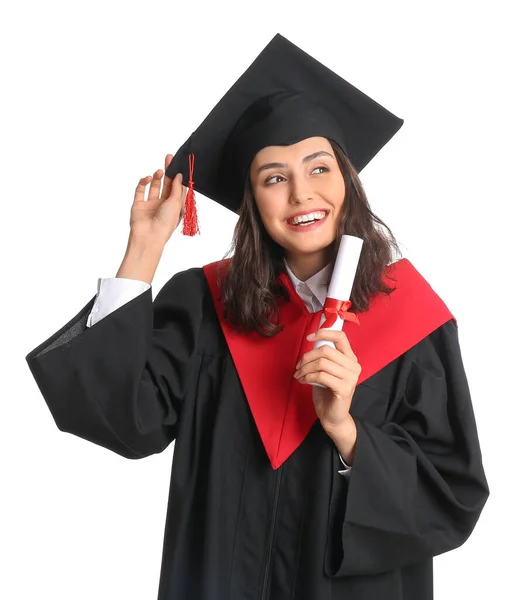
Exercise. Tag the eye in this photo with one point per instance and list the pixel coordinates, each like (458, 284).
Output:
(273, 177)
(325, 168)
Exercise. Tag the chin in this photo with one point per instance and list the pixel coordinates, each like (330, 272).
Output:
(309, 246)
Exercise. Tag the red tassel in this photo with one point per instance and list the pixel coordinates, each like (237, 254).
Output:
(190, 218)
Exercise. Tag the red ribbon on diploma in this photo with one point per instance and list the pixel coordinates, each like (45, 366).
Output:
(337, 308)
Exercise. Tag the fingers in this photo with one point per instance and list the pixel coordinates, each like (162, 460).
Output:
(337, 337)
(336, 384)
(322, 365)
(167, 184)
(176, 190)
(168, 181)
(173, 188)
(176, 197)
(184, 196)
(326, 352)
(338, 361)
(155, 185)
(139, 194)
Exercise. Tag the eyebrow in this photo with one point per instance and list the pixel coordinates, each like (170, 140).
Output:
(306, 159)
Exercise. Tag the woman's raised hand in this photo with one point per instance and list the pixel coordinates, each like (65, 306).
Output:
(154, 219)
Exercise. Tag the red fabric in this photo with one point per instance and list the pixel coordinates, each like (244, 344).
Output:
(282, 407)
(190, 218)
(337, 308)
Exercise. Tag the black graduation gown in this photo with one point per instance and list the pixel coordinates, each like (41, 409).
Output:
(236, 529)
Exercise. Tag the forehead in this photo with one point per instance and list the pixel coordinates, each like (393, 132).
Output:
(297, 150)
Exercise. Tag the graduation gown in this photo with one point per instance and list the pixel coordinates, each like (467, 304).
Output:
(240, 525)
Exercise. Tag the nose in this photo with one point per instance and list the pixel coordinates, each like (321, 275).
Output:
(301, 191)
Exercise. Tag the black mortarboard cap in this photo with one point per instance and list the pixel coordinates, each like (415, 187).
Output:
(283, 97)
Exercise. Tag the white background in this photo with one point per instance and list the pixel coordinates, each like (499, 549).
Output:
(96, 94)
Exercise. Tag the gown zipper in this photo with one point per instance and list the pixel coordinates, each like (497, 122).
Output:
(271, 534)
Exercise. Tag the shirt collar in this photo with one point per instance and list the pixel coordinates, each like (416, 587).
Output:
(318, 283)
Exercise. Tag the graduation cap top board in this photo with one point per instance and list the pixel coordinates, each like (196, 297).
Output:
(284, 97)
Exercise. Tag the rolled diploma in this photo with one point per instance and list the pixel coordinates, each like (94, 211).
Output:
(341, 282)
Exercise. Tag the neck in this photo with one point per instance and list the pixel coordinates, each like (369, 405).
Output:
(303, 266)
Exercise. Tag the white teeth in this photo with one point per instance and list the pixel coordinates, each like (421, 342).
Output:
(309, 217)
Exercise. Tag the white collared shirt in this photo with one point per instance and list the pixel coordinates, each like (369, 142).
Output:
(114, 292)
(312, 291)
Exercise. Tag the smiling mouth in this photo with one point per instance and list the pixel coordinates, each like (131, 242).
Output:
(309, 219)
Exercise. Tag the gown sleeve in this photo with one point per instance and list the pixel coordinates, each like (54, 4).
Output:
(121, 382)
(417, 484)
(114, 292)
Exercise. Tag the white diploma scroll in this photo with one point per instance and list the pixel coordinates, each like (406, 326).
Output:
(341, 282)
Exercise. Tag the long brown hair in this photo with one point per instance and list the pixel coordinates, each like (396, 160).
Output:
(250, 290)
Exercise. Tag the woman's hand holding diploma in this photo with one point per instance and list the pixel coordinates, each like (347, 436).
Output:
(338, 370)
(331, 367)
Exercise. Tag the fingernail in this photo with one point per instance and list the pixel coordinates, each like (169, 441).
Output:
(310, 336)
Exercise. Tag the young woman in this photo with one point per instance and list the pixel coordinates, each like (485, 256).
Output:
(279, 489)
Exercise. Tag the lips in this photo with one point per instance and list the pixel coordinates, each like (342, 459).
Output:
(312, 225)
(299, 217)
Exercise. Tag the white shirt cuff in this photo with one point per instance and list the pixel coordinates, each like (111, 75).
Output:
(346, 471)
(114, 292)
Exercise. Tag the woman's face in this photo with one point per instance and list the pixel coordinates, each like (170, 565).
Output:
(294, 183)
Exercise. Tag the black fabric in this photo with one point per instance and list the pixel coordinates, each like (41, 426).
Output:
(151, 372)
(279, 119)
(284, 96)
